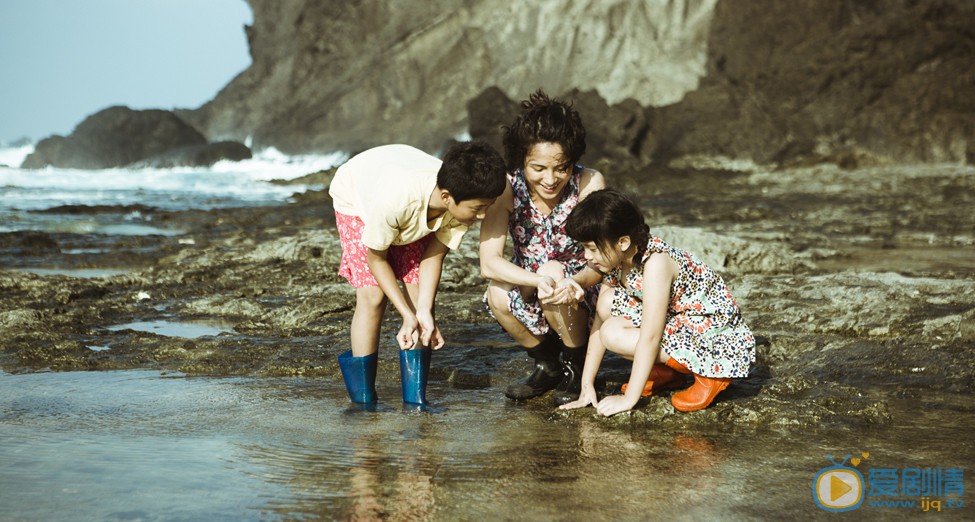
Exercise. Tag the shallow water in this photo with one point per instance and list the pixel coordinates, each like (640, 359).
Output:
(77, 272)
(187, 329)
(140, 445)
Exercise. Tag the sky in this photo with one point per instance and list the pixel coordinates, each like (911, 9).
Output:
(63, 60)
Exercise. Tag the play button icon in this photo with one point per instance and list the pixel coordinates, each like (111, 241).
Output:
(838, 488)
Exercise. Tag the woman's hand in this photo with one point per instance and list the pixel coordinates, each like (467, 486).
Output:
(614, 404)
(587, 397)
(567, 291)
(409, 333)
(546, 287)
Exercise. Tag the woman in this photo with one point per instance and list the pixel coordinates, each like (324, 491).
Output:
(541, 147)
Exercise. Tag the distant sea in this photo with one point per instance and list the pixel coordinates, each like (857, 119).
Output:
(225, 184)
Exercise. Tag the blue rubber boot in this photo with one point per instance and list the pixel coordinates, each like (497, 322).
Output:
(414, 365)
(360, 376)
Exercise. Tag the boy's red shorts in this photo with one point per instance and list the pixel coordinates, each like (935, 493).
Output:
(405, 259)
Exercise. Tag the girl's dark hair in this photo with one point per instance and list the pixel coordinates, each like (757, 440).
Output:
(605, 216)
(543, 120)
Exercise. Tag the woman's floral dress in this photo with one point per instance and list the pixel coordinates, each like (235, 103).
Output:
(537, 239)
(704, 330)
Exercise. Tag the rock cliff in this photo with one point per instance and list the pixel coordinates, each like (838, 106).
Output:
(346, 75)
(769, 81)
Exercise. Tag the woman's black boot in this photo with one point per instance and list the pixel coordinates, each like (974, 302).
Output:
(573, 359)
(547, 372)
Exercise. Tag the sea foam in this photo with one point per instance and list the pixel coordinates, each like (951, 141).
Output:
(226, 183)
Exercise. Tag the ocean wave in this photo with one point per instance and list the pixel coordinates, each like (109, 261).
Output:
(270, 164)
(226, 183)
(14, 156)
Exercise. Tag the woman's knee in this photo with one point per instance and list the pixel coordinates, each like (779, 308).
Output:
(552, 269)
(497, 300)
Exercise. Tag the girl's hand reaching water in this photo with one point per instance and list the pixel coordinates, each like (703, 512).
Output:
(587, 397)
(614, 404)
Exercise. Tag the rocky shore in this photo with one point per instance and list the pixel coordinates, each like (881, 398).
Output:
(860, 285)
(820, 155)
(817, 154)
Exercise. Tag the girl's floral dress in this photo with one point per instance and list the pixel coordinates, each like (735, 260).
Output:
(704, 330)
(537, 239)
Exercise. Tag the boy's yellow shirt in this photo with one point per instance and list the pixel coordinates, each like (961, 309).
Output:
(389, 188)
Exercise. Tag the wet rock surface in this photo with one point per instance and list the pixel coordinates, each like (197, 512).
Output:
(860, 285)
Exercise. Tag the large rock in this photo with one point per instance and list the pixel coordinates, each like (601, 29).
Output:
(618, 132)
(823, 79)
(488, 113)
(115, 137)
(773, 82)
(349, 75)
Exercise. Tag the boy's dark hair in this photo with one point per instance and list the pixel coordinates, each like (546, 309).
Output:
(605, 216)
(544, 120)
(472, 170)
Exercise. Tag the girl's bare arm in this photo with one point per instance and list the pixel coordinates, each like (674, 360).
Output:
(659, 273)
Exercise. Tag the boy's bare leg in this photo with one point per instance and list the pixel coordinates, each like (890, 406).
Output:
(370, 307)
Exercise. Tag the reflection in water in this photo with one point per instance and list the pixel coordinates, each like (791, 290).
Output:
(905, 260)
(137, 445)
(412, 491)
(647, 470)
(371, 476)
(76, 272)
(186, 329)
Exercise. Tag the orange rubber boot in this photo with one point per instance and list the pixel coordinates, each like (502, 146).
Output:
(700, 394)
(661, 378)
(676, 366)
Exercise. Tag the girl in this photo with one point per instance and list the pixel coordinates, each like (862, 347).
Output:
(657, 304)
(541, 148)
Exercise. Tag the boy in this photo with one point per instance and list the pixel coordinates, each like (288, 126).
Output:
(398, 210)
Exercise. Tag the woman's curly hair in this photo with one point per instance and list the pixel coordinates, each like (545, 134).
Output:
(543, 120)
